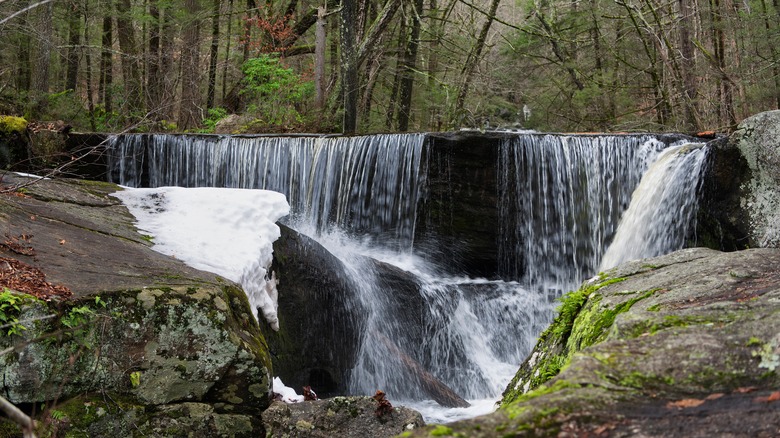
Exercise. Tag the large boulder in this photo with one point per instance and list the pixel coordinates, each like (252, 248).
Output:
(685, 344)
(320, 317)
(758, 139)
(741, 199)
(129, 342)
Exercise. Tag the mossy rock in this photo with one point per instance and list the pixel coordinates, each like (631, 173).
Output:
(686, 344)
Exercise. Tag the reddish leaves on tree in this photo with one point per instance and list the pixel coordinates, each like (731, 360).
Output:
(383, 407)
(22, 277)
(308, 394)
(274, 33)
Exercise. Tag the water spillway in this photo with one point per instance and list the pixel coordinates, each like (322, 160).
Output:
(488, 228)
(367, 185)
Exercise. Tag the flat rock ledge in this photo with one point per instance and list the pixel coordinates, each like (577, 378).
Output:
(682, 345)
(144, 346)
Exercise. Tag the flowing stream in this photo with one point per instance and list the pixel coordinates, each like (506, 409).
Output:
(560, 201)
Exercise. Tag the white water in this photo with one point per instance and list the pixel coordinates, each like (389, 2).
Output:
(663, 207)
(560, 200)
(368, 185)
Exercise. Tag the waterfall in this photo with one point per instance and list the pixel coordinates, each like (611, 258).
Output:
(559, 200)
(663, 207)
(368, 185)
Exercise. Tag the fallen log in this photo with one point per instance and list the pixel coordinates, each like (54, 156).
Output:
(433, 387)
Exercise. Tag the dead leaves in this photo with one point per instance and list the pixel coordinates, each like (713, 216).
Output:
(19, 245)
(22, 277)
(773, 397)
(685, 403)
(309, 394)
(383, 407)
(688, 403)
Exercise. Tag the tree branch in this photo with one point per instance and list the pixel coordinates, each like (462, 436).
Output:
(18, 417)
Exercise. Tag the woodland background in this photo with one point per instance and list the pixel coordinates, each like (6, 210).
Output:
(390, 65)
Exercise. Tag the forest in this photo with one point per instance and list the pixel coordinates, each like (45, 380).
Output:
(359, 66)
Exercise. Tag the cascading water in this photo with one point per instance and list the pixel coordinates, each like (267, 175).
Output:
(663, 207)
(367, 185)
(559, 200)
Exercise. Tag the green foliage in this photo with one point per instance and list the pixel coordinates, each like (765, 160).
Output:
(79, 320)
(57, 415)
(441, 430)
(214, 116)
(10, 307)
(275, 93)
(12, 124)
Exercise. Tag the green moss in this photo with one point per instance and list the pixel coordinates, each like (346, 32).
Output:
(12, 124)
(594, 323)
(654, 308)
(441, 430)
(753, 341)
(516, 407)
(645, 381)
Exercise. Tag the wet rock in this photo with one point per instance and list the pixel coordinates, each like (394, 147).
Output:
(339, 416)
(741, 200)
(320, 318)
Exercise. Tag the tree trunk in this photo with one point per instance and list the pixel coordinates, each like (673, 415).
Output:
(106, 60)
(213, 55)
(88, 71)
(688, 66)
(41, 74)
(408, 69)
(168, 78)
(319, 59)
(24, 70)
(474, 57)
(227, 50)
(349, 68)
(772, 30)
(130, 65)
(154, 79)
(392, 104)
(189, 111)
(74, 41)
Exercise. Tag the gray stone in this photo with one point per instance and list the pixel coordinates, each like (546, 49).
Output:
(349, 417)
(758, 139)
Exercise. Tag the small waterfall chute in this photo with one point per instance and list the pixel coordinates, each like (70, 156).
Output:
(663, 207)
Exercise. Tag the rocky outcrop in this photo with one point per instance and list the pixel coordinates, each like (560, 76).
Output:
(758, 139)
(349, 417)
(685, 344)
(320, 322)
(145, 345)
(741, 197)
